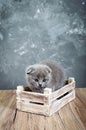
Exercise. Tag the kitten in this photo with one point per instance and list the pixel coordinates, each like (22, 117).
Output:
(45, 74)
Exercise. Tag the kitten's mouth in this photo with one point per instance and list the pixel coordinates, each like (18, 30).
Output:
(42, 87)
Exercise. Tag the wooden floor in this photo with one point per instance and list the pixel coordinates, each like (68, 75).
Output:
(70, 117)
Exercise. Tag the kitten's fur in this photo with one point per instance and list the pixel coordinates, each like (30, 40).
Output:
(45, 74)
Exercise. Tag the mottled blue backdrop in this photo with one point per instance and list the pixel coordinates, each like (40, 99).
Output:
(35, 30)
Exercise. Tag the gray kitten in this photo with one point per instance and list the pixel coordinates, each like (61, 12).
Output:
(44, 75)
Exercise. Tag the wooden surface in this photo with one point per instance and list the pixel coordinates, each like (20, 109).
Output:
(70, 117)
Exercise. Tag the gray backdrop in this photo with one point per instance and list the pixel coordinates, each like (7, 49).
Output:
(35, 30)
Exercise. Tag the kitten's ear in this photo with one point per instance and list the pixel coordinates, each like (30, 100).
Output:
(29, 70)
(49, 70)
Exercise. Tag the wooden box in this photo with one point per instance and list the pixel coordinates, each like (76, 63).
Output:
(45, 103)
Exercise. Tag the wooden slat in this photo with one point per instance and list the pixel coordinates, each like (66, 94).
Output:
(31, 96)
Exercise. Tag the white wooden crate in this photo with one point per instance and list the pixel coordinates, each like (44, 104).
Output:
(45, 103)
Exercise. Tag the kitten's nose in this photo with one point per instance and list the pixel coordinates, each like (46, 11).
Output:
(40, 85)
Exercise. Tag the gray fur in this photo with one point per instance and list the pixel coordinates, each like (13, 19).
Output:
(45, 74)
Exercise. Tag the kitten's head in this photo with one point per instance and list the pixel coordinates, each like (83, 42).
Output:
(38, 76)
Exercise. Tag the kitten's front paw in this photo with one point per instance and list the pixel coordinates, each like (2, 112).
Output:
(27, 88)
(38, 90)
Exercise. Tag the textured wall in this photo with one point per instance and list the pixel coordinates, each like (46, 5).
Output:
(34, 30)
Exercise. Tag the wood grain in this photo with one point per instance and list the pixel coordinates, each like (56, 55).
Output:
(71, 117)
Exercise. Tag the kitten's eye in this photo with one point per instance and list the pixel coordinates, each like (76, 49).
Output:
(36, 80)
(44, 80)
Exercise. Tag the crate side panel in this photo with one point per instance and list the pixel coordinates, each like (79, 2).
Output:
(56, 105)
(33, 108)
(62, 90)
